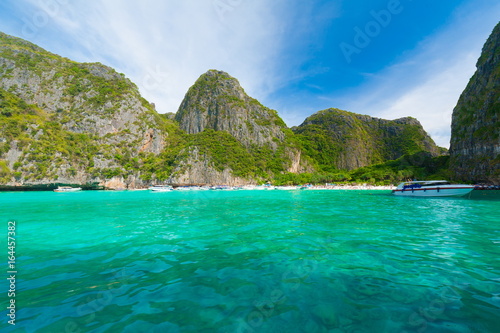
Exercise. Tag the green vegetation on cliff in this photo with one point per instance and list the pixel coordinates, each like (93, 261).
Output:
(43, 145)
(234, 130)
(99, 84)
(217, 101)
(414, 166)
(83, 122)
(341, 140)
(224, 151)
(77, 121)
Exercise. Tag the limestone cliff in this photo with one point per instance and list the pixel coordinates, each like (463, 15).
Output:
(338, 139)
(68, 122)
(198, 168)
(56, 102)
(475, 128)
(217, 103)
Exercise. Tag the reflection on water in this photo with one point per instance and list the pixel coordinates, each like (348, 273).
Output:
(309, 261)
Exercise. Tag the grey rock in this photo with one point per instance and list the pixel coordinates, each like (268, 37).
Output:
(475, 128)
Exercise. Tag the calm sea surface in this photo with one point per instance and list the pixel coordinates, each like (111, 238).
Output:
(251, 261)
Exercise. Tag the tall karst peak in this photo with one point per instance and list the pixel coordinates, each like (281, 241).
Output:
(84, 97)
(217, 101)
(71, 122)
(84, 122)
(475, 127)
(216, 111)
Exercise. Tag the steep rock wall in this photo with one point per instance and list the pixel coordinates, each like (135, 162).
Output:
(338, 139)
(69, 114)
(217, 102)
(475, 128)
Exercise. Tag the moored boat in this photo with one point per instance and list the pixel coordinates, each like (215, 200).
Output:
(432, 188)
(183, 188)
(161, 188)
(67, 189)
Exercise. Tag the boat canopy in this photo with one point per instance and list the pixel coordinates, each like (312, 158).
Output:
(423, 183)
(435, 183)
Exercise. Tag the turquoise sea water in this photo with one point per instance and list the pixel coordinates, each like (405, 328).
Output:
(251, 261)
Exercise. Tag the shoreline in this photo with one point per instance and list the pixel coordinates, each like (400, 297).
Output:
(51, 187)
(277, 188)
(355, 187)
(267, 187)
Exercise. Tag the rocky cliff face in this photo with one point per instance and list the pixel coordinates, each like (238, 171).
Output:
(217, 102)
(86, 102)
(68, 122)
(198, 168)
(85, 97)
(475, 128)
(338, 139)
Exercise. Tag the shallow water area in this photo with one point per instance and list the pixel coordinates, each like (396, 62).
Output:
(252, 261)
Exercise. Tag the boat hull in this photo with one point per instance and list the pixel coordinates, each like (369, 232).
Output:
(74, 189)
(161, 188)
(435, 192)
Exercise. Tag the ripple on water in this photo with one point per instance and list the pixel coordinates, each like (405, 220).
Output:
(243, 261)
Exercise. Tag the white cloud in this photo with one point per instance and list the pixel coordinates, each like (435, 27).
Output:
(432, 101)
(164, 46)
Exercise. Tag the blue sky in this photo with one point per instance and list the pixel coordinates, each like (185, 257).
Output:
(384, 58)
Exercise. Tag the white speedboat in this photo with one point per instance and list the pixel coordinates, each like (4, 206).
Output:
(161, 188)
(432, 188)
(67, 189)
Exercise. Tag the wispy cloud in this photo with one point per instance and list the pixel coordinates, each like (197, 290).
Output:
(163, 46)
(432, 101)
(281, 52)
